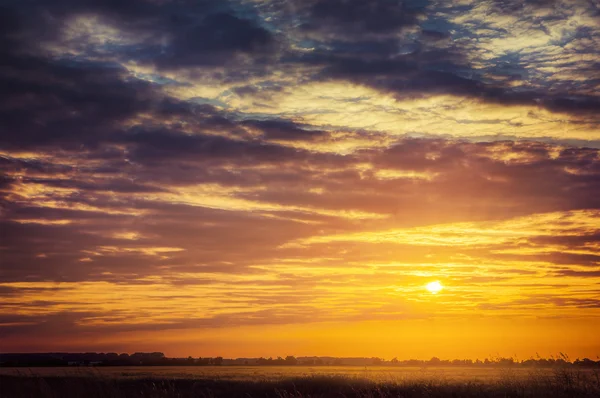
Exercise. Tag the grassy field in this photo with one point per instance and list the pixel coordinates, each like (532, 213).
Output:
(275, 373)
(296, 382)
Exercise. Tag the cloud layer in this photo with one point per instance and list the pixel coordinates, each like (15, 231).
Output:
(175, 165)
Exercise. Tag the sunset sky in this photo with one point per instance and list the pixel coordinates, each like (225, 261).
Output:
(285, 177)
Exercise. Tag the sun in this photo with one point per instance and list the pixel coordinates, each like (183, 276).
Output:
(434, 287)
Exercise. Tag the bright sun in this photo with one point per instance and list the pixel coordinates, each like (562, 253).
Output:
(434, 287)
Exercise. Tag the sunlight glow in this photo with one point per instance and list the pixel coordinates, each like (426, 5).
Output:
(434, 287)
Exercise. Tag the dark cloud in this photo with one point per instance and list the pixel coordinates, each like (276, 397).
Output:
(578, 274)
(172, 34)
(429, 72)
(577, 105)
(434, 35)
(215, 41)
(153, 145)
(518, 6)
(423, 71)
(49, 102)
(357, 17)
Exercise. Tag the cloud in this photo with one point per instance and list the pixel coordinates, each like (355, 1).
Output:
(49, 102)
(214, 41)
(474, 63)
(229, 187)
(575, 273)
(75, 99)
(359, 17)
(169, 35)
(154, 145)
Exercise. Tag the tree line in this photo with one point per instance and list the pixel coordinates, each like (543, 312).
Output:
(159, 359)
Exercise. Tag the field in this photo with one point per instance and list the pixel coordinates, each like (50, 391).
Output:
(275, 373)
(341, 381)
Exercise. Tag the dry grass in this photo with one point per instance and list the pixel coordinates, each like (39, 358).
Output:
(562, 382)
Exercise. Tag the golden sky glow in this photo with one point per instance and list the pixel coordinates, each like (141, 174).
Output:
(315, 177)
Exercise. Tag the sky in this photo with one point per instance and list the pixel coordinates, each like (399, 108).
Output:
(285, 177)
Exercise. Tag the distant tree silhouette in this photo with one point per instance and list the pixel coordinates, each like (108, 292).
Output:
(159, 359)
(291, 360)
